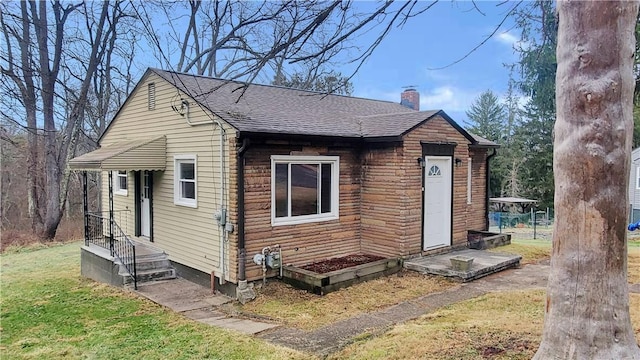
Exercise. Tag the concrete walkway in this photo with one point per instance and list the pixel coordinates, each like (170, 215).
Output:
(198, 303)
(328, 339)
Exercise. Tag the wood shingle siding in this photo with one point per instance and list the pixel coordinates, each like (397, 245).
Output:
(301, 243)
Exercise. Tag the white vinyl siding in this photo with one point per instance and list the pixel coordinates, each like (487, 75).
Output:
(185, 187)
(188, 235)
(304, 189)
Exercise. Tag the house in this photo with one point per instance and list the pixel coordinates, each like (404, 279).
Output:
(634, 187)
(212, 172)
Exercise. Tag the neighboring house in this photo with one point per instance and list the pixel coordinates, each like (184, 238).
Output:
(634, 187)
(213, 172)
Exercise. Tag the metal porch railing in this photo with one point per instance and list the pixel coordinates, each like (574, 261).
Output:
(101, 231)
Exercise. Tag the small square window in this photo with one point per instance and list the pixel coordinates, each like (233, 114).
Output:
(185, 180)
(120, 182)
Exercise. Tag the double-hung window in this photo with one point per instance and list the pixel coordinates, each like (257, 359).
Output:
(185, 188)
(120, 182)
(304, 189)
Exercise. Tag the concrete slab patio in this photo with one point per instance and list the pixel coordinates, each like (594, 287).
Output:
(484, 263)
(198, 303)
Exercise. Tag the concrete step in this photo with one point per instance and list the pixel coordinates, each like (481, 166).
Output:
(150, 275)
(150, 255)
(142, 265)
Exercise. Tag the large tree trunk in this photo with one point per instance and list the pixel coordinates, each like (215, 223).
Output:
(587, 307)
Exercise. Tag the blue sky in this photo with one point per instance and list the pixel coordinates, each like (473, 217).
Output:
(437, 38)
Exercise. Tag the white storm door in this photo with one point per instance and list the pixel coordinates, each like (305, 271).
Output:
(145, 206)
(437, 202)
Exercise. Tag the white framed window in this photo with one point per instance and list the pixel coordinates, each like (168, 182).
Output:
(469, 172)
(185, 184)
(120, 186)
(638, 178)
(304, 189)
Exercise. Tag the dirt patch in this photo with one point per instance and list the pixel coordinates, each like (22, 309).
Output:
(325, 266)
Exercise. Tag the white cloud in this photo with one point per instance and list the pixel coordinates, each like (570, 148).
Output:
(507, 38)
(511, 40)
(448, 98)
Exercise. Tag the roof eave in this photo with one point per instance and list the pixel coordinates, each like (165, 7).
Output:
(484, 146)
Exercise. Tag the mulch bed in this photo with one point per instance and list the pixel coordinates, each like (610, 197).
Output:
(340, 263)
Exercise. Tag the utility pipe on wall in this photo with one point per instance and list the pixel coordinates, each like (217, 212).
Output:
(223, 188)
(242, 253)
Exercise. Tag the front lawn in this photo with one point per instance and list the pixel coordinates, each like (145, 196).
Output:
(504, 325)
(49, 312)
(297, 308)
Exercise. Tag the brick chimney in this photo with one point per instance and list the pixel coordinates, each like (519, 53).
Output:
(411, 99)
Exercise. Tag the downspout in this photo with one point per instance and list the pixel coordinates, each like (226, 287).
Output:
(222, 217)
(488, 185)
(241, 250)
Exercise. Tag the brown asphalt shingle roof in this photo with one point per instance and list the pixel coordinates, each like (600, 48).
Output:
(278, 110)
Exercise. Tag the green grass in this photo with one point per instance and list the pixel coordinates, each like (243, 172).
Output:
(503, 325)
(531, 251)
(49, 312)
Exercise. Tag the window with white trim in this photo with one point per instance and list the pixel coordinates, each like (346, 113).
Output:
(638, 178)
(185, 175)
(120, 182)
(469, 172)
(304, 189)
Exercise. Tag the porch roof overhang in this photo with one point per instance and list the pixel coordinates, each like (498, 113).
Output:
(137, 154)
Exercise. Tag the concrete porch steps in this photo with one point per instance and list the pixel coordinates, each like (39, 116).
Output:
(484, 263)
(152, 264)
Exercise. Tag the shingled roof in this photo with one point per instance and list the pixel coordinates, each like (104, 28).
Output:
(278, 110)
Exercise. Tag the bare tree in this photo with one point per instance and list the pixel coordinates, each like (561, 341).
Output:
(266, 40)
(587, 307)
(53, 75)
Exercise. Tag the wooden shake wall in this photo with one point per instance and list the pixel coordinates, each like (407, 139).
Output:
(301, 243)
(380, 199)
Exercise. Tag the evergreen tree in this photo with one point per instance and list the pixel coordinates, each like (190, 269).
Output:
(489, 119)
(538, 64)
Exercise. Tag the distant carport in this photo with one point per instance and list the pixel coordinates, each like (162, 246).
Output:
(522, 202)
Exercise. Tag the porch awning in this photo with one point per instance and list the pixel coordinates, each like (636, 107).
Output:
(139, 154)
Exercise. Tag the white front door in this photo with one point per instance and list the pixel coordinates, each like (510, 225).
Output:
(145, 206)
(437, 202)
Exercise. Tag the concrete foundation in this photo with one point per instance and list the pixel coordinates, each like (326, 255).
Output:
(96, 264)
(203, 279)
